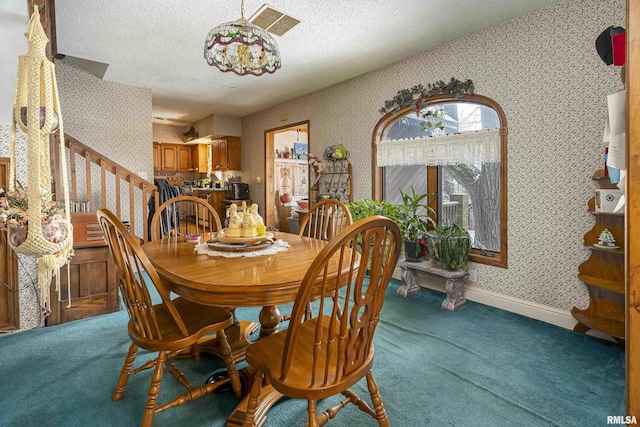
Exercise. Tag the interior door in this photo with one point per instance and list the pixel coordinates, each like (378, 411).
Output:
(270, 173)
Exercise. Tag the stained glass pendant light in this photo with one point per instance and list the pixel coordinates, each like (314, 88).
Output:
(242, 47)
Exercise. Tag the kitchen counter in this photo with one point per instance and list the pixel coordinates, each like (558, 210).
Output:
(203, 192)
(208, 190)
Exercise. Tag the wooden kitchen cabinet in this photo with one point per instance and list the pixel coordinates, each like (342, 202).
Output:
(216, 199)
(199, 158)
(225, 153)
(183, 154)
(169, 159)
(157, 157)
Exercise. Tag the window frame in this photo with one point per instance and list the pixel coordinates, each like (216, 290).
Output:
(497, 259)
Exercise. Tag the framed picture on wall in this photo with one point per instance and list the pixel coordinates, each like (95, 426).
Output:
(300, 149)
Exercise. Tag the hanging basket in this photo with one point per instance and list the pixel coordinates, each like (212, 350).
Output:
(54, 234)
(36, 111)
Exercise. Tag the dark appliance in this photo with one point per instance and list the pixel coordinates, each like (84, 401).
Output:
(238, 191)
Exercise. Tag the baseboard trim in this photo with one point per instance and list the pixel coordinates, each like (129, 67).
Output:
(541, 312)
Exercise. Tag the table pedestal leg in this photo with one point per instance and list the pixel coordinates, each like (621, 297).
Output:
(268, 397)
(269, 320)
(238, 336)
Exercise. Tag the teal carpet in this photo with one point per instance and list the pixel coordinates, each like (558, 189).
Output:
(479, 366)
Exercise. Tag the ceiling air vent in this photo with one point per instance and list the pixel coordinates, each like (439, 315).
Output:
(273, 20)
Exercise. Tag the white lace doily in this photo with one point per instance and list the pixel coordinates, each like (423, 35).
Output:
(278, 246)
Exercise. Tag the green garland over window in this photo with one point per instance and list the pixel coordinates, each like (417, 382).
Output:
(418, 95)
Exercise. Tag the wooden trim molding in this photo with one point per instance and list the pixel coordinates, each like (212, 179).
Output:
(9, 287)
(377, 177)
(269, 173)
(633, 209)
(48, 20)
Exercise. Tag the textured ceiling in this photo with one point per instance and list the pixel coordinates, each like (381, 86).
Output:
(159, 44)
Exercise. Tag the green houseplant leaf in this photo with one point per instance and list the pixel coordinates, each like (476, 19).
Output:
(369, 207)
(413, 216)
(449, 245)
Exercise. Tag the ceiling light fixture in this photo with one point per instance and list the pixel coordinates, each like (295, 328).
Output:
(242, 47)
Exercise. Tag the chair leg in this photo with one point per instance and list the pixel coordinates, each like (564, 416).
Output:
(125, 373)
(381, 413)
(308, 312)
(236, 386)
(154, 390)
(311, 409)
(252, 403)
(195, 352)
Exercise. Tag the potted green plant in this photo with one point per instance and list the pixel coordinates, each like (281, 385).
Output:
(368, 207)
(449, 245)
(414, 220)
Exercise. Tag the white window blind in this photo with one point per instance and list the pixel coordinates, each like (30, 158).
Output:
(475, 147)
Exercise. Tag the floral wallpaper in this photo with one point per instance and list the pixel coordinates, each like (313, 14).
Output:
(168, 133)
(112, 118)
(546, 75)
(226, 125)
(29, 305)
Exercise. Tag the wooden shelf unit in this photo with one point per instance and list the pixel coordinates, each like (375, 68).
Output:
(603, 273)
(333, 183)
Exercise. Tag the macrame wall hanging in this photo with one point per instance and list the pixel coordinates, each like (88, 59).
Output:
(38, 224)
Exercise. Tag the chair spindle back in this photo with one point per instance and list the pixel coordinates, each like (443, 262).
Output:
(135, 275)
(325, 219)
(184, 215)
(350, 303)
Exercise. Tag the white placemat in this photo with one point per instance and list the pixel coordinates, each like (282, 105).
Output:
(278, 246)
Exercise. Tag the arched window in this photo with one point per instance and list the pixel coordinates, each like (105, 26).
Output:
(455, 149)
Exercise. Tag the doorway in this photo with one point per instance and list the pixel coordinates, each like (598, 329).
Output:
(287, 173)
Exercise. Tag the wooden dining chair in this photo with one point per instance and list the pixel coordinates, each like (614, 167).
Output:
(166, 328)
(325, 219)
(184, 215)
(328, 354)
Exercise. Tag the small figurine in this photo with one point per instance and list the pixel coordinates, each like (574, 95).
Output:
(606, 239)
(256, 216)
(235, 222)
(248, 225)
(315, 163)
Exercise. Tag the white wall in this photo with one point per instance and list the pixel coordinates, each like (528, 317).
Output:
(545, 73)
(13, 23)
(283, 141)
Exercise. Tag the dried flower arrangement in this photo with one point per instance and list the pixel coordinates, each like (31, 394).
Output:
(14, 212)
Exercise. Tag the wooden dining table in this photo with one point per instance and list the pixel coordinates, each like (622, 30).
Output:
(263, 281)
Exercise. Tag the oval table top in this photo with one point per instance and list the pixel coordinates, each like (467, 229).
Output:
(238, 282)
